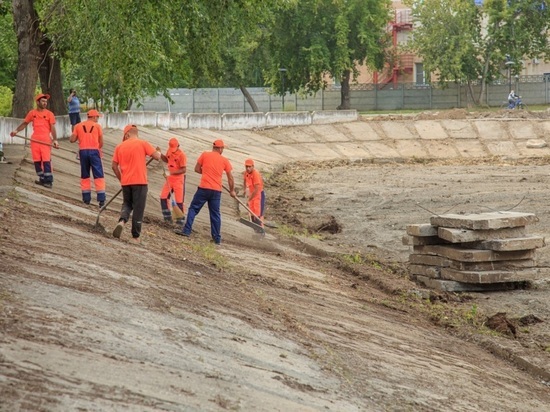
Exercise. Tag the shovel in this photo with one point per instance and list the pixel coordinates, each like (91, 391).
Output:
(256, 227)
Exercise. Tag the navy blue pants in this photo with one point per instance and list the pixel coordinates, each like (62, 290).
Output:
(213, 198)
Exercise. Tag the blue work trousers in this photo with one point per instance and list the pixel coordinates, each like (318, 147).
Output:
(213, 198)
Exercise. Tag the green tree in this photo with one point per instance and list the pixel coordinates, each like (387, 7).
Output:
(8, 48)
(317, 38)
(462, 42)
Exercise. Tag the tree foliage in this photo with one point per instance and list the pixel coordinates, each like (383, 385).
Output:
(313, 39)
(8, 49)
(462, 42)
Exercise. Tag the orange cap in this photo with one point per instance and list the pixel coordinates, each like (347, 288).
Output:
(128, 127)
(42, 95)
(219, 143)
(94, 113)
(173, 145)
(249, 162)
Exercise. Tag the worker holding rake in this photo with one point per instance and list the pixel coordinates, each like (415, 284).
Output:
(131, 170)
(43, 138)
(211, 166)
(175, 183)
(254, 192)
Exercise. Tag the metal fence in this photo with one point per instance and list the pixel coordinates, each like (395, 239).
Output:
(535, 90)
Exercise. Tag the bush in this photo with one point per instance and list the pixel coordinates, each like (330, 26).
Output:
(6, 97)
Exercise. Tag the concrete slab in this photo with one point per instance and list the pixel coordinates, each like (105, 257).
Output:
(452, 286)
(329, 132)
(381, 150)
(422, 229)
(467, 235)
(442, 149)
(410, 149)
(523, 243)
(484, 221)
(459, 129)
(523, 130)
(504, 148)
(492, 276)
(490, 130)
(499, 265)
(431, 130)
(429, 260)
(397, 130)
(472, 255)
(323, 151)
(361, 131)
(471, 148)
(352, 150)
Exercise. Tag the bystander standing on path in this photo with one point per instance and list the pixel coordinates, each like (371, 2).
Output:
(43, 138)
(254, 191)
(90, 141)
(211, 165)
(74, 108)
(130, 169)
(175, 181)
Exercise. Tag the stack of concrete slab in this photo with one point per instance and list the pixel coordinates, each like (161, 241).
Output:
(474, 252)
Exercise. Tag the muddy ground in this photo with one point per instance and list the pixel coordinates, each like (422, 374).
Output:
(318, 315)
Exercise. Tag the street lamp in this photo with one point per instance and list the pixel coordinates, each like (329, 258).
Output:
(509, 63)
(282, 70)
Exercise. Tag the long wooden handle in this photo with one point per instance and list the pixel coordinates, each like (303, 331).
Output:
(45, 144)
(244, 205)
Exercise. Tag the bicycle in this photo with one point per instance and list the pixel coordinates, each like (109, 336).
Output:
(518, 105)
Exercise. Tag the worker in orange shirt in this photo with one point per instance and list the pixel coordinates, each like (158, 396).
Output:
(130, 169)
(211, 165)
(90, 141)
(43, 138)
(175, 181)
(254, 191)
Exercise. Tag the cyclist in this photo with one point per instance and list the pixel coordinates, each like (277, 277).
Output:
(513, 100)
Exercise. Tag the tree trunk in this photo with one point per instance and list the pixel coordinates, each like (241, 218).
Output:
(29, 36)
(249, 99)
(49, 72)
(344, 92)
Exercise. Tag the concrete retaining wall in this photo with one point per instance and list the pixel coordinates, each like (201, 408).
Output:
(274, 119)
(171, 120)
(240, 121)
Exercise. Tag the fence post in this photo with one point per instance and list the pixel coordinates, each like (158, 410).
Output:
(192, 100)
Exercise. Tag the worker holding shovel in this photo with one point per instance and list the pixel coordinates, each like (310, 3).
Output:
(43, 138)
(254, 192)
(175, 183)
(90, 141)
(131, 170)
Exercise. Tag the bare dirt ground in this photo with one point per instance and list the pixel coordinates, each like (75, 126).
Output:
(318, 315)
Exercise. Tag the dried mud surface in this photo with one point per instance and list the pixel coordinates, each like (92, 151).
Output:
(328, 321)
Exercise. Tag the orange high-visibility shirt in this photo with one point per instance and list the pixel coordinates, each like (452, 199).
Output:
(176, 160)
(130, 156)
(252, 179)
(42, 121)
(213, 165)
(88, 134)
